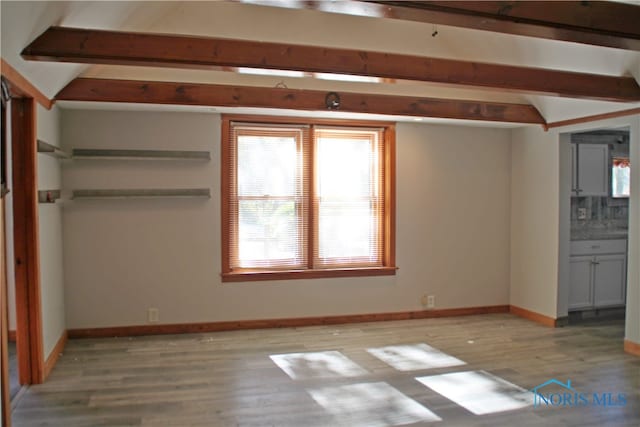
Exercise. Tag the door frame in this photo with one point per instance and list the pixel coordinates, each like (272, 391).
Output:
(21, 109)
(29, 340)
(627, 122)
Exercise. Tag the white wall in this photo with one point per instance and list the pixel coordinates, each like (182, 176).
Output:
(534, 220)
(453, 206)
(50, 234)
(564, 224)
(124, 256)
(632, 331)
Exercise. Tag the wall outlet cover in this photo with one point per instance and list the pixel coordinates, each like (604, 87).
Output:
(424, 300)
(153, 315)
(582, 213)
(431, 301)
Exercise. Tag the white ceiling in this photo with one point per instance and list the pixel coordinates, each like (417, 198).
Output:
(22, 21)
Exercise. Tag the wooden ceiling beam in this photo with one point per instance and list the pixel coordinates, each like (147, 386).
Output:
(599, 23)
(593, 118)
(156, 92)
(122, 48)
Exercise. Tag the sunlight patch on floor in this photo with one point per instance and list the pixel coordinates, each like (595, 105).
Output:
(479, 392)
(322, 364)
(413, 357)
(371, 405)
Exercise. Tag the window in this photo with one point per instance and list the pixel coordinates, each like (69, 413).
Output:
(306, 199)
(620, 177)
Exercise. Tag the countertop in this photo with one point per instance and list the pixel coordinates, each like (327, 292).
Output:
(599, 234)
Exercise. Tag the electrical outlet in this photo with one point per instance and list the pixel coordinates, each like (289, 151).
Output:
(153, 315)
(431, 301)
(582, 213)
(423, 300)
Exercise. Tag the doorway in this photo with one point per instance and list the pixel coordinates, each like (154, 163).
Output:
(598, 175)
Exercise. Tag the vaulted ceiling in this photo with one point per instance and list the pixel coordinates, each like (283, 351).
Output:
(496, 61)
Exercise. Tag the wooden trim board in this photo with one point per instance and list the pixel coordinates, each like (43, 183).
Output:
(598, 23)
(5, 395)
(88, 46)
(390, 231)
(22, 86)
(12, 336)
(186, 328)
(533, 316)
(593, 118)
(55, 354)
(632, 347)
(205, 94)
(26, 242)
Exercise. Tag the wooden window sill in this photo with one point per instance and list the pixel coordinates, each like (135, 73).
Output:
(253, 275)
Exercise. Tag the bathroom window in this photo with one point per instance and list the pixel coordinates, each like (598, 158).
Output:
(620, 177)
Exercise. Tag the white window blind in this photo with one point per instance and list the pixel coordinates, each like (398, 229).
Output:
(348, 204)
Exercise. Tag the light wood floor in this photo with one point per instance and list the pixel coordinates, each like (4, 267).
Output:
(229, 378)
(14, 385)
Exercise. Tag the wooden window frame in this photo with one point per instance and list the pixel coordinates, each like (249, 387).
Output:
(388, 267)
(29, 340)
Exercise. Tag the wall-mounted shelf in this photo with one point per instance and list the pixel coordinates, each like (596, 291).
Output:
(51, 150)
(110, 154)
(141, 193)
(48, 196)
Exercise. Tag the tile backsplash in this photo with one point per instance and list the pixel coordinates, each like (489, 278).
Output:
(603, 212)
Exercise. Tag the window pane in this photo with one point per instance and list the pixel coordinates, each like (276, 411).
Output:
(347, 230)
(267, 165)
(344, 167)
(267, 232)
(620, 178)
(269, 192)
(347, 198)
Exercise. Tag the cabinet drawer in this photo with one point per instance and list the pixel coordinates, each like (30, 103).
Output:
(591, 247)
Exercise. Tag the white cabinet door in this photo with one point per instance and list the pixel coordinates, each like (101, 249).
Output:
(609, 280)
(593, 170)
(580, 284)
